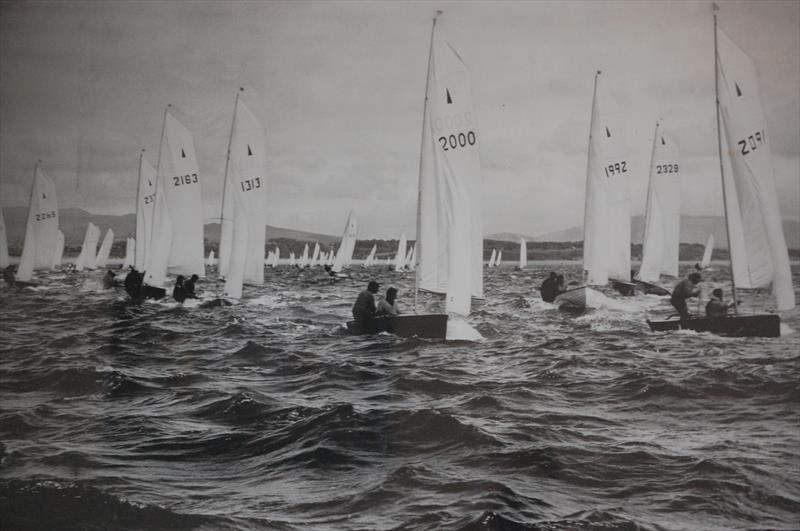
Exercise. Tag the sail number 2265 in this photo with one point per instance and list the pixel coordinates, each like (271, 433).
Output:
(456, 141)
(45, 215)
(184, 179)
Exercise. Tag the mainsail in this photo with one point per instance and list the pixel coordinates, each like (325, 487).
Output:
(493, 258)
(663, 212)
(177, 238)
(400, 257)
(348, 245)
(87, 259)
(753, 187)
(145, 205)
(105, 249)
(130, 253)
(523, 253)
(449, 221)
(58, 255)
(41, 230)
(370, 260)
(607, 238)
(4, 261)
(245, 196)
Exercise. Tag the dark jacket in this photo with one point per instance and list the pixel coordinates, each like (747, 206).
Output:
(364, 307)
(685, 290)
(717, 308)
(549, 289)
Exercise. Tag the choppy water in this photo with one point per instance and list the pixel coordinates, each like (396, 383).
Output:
(265, 416)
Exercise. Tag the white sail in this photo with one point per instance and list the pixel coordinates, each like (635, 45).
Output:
(58, 255)
(276, 256)
(709, 250)
(492, 258)
(348, 245)
(607, 245)
(457, 176)
(400, 256)
(245, 182)
(371, 256)
(41, 230)
(292, 260)
(87, 259)
(304, 257)
(211, 259)
(523, 253)
(177, 239)
(130, 253)
(745, 129)
(411, 263)
(145, 205)
(4, 260)
(663, 212)
(315, 255)
(105, 249)
(499, 257)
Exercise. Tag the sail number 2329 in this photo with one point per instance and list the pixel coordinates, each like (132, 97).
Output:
(457, 141)
(184, 179)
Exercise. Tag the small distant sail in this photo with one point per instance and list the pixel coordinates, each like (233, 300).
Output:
(348, 245)
(177, 238)
(523, 253)
(276, 255)
(400, 256)
(41, 231)
(493, 258)
(758, 248)
(4, 260)
(709, 250)
(304, 257)
(211, 259)
(145, 205)
(499, 257)
(105, 249)
(87, 259)
(292, 260)
(663, 212)
(58, 255)
(370, 260)
(411, 263)
(130, 253)
(607, 224)
(315, 255)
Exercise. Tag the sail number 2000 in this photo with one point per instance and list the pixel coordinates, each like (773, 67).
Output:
(184, 179)
(456, 141)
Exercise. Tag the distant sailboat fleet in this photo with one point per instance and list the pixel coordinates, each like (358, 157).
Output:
(447, 253)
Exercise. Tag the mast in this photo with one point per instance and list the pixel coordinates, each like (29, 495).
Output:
(421, 148)
(721, 170)
(225, 177)
(588, 168)
(139, 202)
(647, 213)
(158, 163)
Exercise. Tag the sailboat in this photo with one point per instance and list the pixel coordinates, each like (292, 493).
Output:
(41, 230)
(449, 223)
(276, 255)
(348, 245)
(758, 253)
(412, 258)
(370, 260)
(523, 253)
(492, 258)
(211, 259)
(177, 229)
(130, 253)
(87, 259)
(707, 252)
(606, 227)
(661, 241)
(58, 255)
(315, 255)
(499, 258)
(145, 206)
(400, 257)
(4, 260)
(304, 258)
(105, 249)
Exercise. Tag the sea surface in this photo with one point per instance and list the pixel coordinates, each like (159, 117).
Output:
(265, 415)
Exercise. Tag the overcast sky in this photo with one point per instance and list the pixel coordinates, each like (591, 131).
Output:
(339, 87)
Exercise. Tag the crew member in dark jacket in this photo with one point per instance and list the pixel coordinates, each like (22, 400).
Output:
(364, 307)
(686, 289)
(133, 283)
(716, 306)
(549, 288)
(188, 287)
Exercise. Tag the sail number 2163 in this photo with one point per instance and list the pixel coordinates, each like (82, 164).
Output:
(184, 179)
(456, 141)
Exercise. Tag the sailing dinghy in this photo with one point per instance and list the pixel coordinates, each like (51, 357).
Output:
(345, 254)
(41, 230)
(523, 253)
(449, 224)
(758, 253)
(707, 252)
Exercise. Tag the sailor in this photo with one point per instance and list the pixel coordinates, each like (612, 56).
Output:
(716, 306)
(388, 305)
(179, 291)
(561, 284)
(188, 287)
(686, 289)
(9, 275)
(108, 280)
(133, 283)
(549, 288)
(364, 307)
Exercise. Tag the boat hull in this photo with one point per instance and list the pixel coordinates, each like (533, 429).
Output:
(572, 300)
(768, 325)
(429, 326)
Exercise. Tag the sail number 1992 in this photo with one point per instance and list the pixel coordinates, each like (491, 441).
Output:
(616, 168)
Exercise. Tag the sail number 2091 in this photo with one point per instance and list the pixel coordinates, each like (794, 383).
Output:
(752, 142)
(184, 179)
(456, 141)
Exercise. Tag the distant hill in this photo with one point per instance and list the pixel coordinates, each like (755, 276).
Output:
(694, 229)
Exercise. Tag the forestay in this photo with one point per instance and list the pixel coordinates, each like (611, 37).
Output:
(745, 130)
(41, 230)
(177, 238)
(663, 212)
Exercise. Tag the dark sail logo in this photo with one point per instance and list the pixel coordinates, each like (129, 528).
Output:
(608, 133)
(449, 98)
(183, 154)
(738, 90)
(249, 151)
